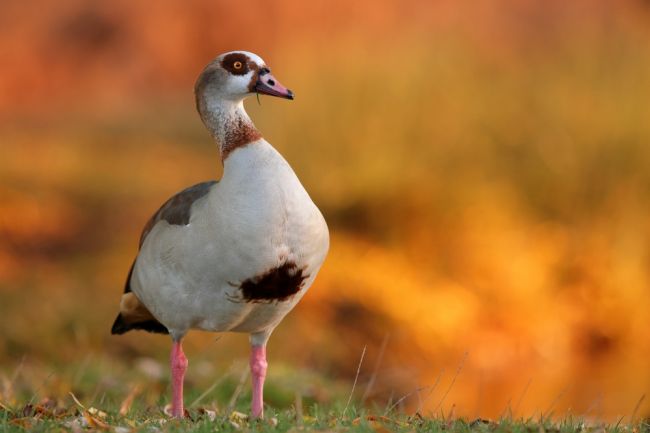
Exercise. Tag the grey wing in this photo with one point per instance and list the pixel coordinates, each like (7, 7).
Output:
(177, 210)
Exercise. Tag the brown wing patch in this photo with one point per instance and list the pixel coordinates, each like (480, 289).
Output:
(132, 310)
(178, 209)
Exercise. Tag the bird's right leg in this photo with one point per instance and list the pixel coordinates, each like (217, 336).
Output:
(179, 366)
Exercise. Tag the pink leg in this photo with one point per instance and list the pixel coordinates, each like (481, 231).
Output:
(258, 373)
(179, 366)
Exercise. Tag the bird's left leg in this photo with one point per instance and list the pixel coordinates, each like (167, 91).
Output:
(258, 366)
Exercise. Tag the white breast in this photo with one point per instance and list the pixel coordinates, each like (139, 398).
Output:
(257, 218)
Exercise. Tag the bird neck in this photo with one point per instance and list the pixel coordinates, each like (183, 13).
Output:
(229, 125)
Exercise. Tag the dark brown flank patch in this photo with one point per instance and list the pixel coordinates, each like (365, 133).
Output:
(229, 61)
(239, 132)
(278, 284)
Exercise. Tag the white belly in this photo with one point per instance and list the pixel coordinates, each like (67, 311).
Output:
(212, 273)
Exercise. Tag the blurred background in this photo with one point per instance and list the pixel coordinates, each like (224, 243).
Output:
(484, 168)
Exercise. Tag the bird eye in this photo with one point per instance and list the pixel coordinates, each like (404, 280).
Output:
(237, 65)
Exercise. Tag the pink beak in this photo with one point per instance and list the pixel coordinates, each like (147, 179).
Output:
(268, 85)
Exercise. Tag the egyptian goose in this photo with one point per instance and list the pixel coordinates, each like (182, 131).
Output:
(230, 255)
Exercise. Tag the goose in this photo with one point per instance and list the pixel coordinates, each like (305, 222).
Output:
(234, 255)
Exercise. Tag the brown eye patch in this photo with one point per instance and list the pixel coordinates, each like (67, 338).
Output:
(236, 63)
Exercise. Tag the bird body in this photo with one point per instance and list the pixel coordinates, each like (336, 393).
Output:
(256, 221)
(233, 255)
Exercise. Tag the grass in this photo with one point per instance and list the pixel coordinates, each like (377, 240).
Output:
(96, 396)
(45, 418)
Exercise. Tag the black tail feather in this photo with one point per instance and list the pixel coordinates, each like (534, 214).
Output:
(120, 326)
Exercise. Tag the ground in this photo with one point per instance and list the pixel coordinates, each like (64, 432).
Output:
(112, 398)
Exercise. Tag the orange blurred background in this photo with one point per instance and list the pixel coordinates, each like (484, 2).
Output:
(484, 168)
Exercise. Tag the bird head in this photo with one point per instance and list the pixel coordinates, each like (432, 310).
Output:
(234, 76)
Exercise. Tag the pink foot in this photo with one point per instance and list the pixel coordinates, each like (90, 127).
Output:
(258, 373)
(179, 366)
